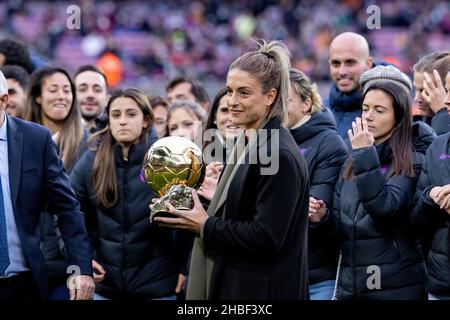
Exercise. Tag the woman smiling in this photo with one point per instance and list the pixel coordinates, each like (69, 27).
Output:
(251, 242)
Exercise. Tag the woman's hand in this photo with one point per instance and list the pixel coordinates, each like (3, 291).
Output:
(441, 196)
(317, 210)
(192, 220)
(99, 272)
(208, 187)
(180, 283)
(359, 135)
(434, 91)
(445, 203)
(214, 169)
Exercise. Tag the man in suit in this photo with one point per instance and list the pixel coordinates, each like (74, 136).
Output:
(32, 176)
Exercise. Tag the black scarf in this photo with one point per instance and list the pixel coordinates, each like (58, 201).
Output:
(344, 101)
(384, 151)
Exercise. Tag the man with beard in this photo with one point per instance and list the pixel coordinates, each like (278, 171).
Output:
(348, 59)
(92, 94)
(17, 79)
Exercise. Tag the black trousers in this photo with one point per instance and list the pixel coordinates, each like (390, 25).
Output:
(21, 287)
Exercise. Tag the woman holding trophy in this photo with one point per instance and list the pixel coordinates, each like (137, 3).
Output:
(251, 242)
(133, 258)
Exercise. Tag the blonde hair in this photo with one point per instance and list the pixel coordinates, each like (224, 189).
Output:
(305, 89)
(269, 64)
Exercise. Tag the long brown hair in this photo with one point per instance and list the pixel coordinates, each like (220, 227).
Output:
(401, 139)
(71, 133)
(104, 173)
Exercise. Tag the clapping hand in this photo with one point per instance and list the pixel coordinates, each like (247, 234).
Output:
(359, 135)
(209, 185)
(214, 169)
(317, 210)
(441, 196)
(208, 188)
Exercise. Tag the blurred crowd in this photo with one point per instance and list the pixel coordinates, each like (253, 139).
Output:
(158, 40)
(361, 177)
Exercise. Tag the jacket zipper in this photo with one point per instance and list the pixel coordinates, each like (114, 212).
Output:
(125, 223)
(355, 220)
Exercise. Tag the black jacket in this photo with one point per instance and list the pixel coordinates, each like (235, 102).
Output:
(325, 152)
(52, 245)
(260, 246)
(430, 219)
(141, 260)
(372, 211)
(422, 136)
(440, 122)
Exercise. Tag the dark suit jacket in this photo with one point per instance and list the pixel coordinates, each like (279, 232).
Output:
(260, 247)
(37, 179)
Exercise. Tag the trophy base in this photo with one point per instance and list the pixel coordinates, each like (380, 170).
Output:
(162, 214)
(179, 196)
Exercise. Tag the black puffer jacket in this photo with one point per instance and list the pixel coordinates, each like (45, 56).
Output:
(324, 152)
(430, 219)
(422, 136)
(440, 122)
(372, 212)
(141, 260)
(53, 247)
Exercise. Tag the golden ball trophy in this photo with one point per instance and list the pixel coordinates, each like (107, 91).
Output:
(172, 167)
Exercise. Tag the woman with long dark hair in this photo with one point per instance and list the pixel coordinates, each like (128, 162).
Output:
(132, 257)
(381, 257)
(51, 102)
(219, 136)
(219, 132)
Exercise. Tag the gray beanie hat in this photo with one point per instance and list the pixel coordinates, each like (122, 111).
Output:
(385, 74)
